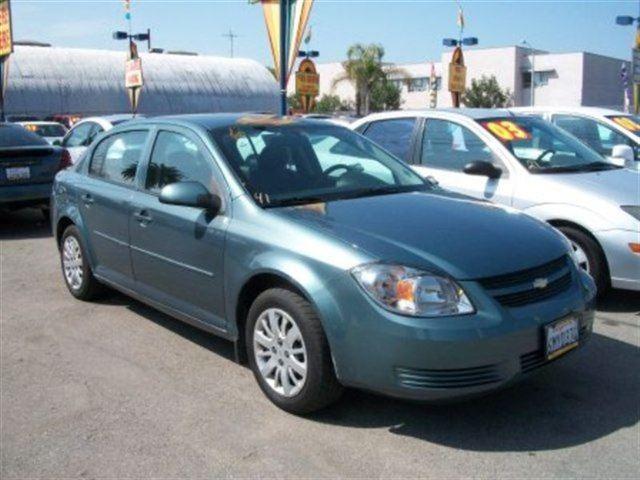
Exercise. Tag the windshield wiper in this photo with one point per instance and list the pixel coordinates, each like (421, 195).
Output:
(588, 167)
(292, 201)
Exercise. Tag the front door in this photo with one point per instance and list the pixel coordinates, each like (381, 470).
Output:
(446, 147)
(178, 252)
(105, 202)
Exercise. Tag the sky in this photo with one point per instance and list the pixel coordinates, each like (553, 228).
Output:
(409, 30)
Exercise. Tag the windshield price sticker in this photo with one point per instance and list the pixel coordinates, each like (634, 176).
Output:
(507, 131)
(627, 123)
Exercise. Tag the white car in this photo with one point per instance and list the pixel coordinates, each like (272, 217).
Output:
(86, 130)
(52, 132)
(527, 163)
(613, 134)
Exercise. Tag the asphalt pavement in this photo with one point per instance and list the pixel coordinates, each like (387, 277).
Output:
(116, 389)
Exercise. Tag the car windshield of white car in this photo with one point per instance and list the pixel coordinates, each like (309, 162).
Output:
(300, 163)
(542, 147)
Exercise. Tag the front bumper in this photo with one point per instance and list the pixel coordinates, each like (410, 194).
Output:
(624, 265)
(25, 195)
(455, 357)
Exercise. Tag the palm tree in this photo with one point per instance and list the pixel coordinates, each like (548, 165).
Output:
(364, 69)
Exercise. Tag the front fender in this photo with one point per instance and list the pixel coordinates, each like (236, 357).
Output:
(587, 219)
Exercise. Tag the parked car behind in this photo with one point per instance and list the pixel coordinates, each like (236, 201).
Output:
(527, 163)
(28, 165)
(324, 273)
(613, 134)
(86, 130)
(52, 132)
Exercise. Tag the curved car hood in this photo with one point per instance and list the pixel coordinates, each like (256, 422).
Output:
(620, 187)
(464, 238)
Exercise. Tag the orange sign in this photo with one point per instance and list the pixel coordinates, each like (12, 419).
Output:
(626, 123)
(6, 32)
(506, 130)
(133, 73)
(307, 79)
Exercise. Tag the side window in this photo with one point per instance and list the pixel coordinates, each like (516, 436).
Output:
(116, 158)
(96, 129)
(450, 146)
(176, 158)
(598, 136)
(78, 135)
(393, 135)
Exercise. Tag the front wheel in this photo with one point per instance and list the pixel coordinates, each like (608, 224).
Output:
(289, 353)
(75, 266)
(589, 256)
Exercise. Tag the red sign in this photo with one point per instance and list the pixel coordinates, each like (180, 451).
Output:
(133, 74)
(6, 34)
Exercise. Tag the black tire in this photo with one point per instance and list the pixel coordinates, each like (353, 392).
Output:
(597, 262)
(321, 387)
(89, 288)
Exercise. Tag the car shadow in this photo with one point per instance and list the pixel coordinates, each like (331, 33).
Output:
(620, 301)
(589, 395)
(213, 343)
(23, 224)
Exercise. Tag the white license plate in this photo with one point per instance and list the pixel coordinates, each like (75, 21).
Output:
(18, 173)
(561, 336)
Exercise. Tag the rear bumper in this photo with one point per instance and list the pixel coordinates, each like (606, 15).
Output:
(624, 265)
(25, 195)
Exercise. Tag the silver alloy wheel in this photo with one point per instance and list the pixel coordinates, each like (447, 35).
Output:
(581, 256)
(280, 352)
(72, 262)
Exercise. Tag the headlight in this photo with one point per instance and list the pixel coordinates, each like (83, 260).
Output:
(412, 292)
(633, 210)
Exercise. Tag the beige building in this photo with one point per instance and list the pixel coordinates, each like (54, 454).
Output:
(571, 79)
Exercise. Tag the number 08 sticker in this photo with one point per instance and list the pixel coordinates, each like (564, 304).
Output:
(506, 130)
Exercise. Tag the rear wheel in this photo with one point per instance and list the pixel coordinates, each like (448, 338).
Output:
(589, 256)
(289, 353)
(75, 267)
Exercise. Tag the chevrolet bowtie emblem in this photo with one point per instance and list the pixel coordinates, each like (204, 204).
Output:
(540, 283)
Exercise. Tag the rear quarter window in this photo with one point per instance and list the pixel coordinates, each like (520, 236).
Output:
(116, 158)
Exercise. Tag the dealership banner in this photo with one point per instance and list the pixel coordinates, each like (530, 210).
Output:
(298, 16)
(6, 31)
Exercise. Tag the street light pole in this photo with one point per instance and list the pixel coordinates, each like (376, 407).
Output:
(284, 24)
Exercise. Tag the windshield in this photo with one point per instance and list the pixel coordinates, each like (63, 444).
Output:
(628, 122)
(46, 130)
(296, 163)
(542, 147)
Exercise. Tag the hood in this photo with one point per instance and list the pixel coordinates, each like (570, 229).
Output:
(619, 187)
(465, 238)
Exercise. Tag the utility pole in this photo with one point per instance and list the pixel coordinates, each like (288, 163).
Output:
(231, 36)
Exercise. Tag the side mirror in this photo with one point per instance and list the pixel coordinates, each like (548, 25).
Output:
(483, 168)
(190, 194)
(622, 154)
(57, 143)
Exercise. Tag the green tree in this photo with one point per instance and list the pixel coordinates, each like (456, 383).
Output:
(486, 93)
(385, 96)
(365, 70)
(330, 104)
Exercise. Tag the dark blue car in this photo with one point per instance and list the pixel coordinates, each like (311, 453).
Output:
(325, 259)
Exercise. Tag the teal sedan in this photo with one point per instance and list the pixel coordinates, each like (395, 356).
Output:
(326, 260)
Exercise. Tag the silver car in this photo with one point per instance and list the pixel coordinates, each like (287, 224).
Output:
(532, 165)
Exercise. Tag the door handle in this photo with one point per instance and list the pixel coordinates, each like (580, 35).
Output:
(87, 199)
(143, 217)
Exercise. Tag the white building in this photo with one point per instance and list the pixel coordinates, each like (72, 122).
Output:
(570, 79)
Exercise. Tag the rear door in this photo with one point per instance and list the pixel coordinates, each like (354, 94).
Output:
(105, 202)
(446, 147)
(178, 252)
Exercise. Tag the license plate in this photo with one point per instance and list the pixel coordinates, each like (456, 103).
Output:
(561, 336)
(18, 173)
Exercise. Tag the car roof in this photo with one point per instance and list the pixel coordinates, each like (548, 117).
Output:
(110, 118)
(473, 113)
(209, 121)
(39, 122)
(597, 111)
